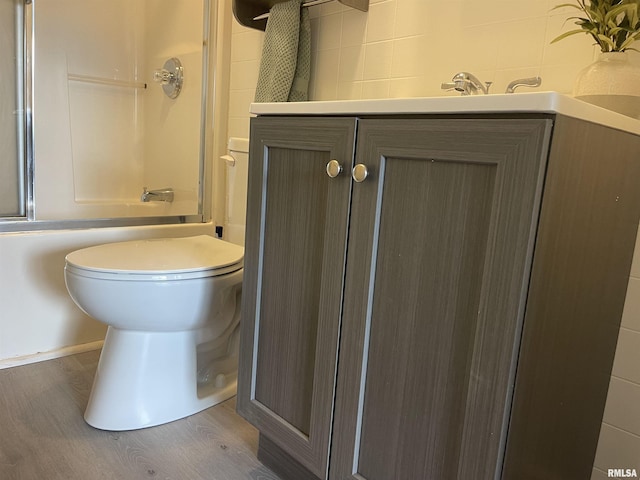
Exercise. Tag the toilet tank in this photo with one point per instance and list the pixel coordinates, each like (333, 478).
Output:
(237, 161)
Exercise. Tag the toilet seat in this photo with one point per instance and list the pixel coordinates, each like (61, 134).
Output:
(157, 259)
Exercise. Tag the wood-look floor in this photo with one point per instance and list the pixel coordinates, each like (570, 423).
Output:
(43, 434)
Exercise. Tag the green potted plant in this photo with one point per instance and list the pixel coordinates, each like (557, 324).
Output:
(613, 24)
(612, 81)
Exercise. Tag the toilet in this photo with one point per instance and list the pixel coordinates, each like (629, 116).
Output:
(172, 306)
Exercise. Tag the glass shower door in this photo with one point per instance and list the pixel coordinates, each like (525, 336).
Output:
(12, 163)
(105, 127)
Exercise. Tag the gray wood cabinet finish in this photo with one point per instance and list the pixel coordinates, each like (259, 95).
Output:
(280, 462)
(438, 265)
(581, 267)
(294, 271)
(466, 261)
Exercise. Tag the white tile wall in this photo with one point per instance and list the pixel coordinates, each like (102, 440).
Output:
(619, 445)
(617, 449)
(599, 475)
(623, 405)
(407, 48)
(627, 355)
(631, 315)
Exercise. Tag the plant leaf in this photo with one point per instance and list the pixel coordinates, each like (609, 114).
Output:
(613, 24)
(567, 34)
(606, 40)
(565, 5)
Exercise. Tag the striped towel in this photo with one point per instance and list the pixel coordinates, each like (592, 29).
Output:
(286, 55)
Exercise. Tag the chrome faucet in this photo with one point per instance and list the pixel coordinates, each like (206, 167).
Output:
(160, 195)
(467, 84)
(524, 82)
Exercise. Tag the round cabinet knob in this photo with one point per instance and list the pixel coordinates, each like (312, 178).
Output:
(360, 172)
(333, 168)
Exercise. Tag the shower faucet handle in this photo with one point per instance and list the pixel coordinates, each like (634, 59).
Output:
(170, 76)
(164, 77)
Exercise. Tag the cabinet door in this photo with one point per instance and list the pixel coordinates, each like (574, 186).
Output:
(293, 281)
(440, 246)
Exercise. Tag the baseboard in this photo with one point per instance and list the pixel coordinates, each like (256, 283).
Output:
(42, 356)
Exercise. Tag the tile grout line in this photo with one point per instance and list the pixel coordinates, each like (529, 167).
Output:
(622, 430)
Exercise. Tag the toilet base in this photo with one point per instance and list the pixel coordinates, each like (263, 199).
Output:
(138, 384)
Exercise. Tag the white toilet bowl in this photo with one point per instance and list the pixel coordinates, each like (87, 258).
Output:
(173, 310)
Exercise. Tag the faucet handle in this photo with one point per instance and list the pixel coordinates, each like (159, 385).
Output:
(523, 82)
(487, 85)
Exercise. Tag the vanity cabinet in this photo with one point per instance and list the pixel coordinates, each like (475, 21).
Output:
(433, 297)
(297, 222)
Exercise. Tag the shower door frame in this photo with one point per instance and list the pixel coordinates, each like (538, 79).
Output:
(24, 76)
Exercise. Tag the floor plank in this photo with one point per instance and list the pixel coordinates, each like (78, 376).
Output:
(43, 434)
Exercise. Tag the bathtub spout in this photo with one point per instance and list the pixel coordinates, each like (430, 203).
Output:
(160, 195)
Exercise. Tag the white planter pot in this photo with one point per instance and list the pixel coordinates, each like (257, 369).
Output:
(612, 82)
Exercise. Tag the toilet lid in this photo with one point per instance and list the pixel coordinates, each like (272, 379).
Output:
(197, 256)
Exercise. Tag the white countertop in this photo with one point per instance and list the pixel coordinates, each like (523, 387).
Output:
(539, 102)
